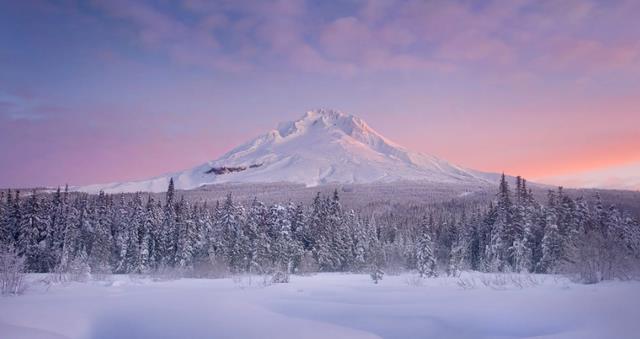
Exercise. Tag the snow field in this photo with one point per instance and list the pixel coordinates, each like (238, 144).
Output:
(324, 305)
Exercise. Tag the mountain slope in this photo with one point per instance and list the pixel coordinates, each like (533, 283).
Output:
(324, 146)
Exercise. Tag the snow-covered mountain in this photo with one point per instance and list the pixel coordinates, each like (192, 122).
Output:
(324, 146)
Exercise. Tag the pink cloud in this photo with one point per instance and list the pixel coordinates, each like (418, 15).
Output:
(592, 55)
(473, 47)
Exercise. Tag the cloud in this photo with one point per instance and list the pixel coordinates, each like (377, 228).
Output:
(625, 176)
(192, 45)
(20, 107)
(382, 35)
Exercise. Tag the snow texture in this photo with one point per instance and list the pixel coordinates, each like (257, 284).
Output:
(324, 146)
(325, 306)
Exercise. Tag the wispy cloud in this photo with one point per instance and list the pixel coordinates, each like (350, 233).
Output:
(20, 107)
(381, 35)
(626, 176)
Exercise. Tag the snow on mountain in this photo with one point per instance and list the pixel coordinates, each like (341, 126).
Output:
(324, 146)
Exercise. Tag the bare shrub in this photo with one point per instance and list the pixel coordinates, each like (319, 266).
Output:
(79, 269)
(467, 283)
(245, 281)
(165, 273)
(503, 281)
(376, 274)
(517, 281)
(280, 277)
(534, 280)
(307, 264)
(12, 276)
(497, 281)
(414, 280)
(210, 269)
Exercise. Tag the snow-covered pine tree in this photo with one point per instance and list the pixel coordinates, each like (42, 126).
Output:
(234, 242)
(552, 242)
(130, 261)
(336, 243)
(14, 218)
(322, 246)
(284, 248)
(375, 259)
(258, 244)
(102, 242)
(56, 210)
(187, 236)
(425, 258)
(473, 240)
(121, 218)
(514, 237)
(165, 241)
(149, 236)
(359, 243)
(4, 231)
(503, 232)
(34, 236)
(72, 241)
(459, 247)
(299, 232)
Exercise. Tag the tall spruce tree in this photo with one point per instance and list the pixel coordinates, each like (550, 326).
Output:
(426, 261)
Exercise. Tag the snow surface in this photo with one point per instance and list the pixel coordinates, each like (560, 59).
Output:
(324, 146)
(324, 306)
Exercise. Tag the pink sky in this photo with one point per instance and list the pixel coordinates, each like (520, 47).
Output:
(106, 91)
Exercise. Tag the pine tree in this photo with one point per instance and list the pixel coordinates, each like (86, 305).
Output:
(551, 249)
(426, 262)
(258, 244)
(14, 218)
(234, 243)
(284, 248)
(33, 236)
(165, 241)
(120, 232)
(187, 236)
(502, 232)
(334, 247)
(132, 260)
(321, 227)
(299, 232)
(102, 245)
(72, 242)
(4, 234)
(375, 258)
(474, 241)
(359, 244)
(170, 196)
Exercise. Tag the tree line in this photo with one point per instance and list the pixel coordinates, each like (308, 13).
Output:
(102, 234)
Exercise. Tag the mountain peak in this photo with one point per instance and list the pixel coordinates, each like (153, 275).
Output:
(328, 120)
(323, 146)
(326, 112)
